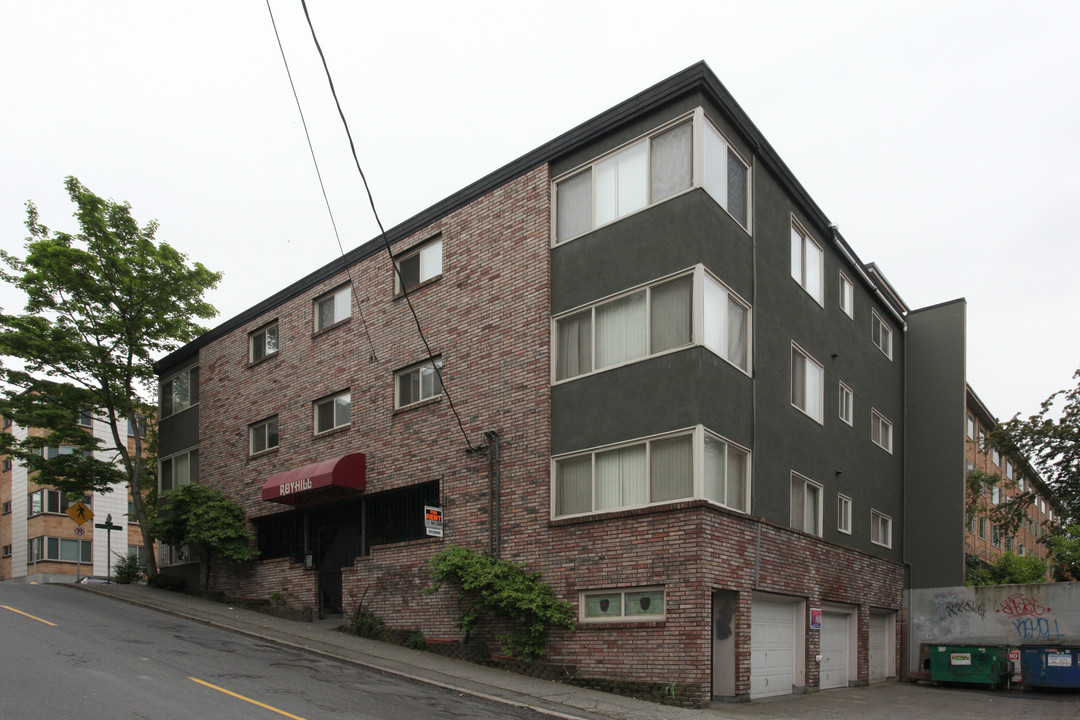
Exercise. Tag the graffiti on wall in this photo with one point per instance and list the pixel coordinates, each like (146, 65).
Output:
(1030, 619)
(956, 608)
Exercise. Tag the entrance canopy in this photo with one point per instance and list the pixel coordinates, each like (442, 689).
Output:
(348, 471)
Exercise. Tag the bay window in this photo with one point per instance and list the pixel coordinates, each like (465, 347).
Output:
(180, 392)
(179, 470)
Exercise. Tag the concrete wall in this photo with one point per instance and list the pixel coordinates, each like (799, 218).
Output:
(1011, 615)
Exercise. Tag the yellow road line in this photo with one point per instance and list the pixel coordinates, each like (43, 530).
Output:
(246, 699)
(28, 615)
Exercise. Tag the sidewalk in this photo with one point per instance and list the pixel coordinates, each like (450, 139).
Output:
(886, 701)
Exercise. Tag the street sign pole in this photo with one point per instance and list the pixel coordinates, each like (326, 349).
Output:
(108, 526)
(80, 514)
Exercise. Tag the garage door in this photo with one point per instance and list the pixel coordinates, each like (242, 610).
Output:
(879, 648)
(772, 648)
(834, 650)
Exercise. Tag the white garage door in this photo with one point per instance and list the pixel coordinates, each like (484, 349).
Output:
(879, 648)
(834, 650)
(772, 648)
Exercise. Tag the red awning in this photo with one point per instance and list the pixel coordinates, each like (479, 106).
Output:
(347, 471)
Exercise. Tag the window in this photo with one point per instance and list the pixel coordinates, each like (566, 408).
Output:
(805, 505)
(1021, 550)
(139, 551)
(971, 426)
(7, 464)
(881, 334)
(621, 182)
(1009, 469)
(419, 383)
(59, 549)
(727, 474)
(263, 436)
(263, 342)
(727, 325)
(880, 431)
(847, 296)
(982, 528)
(419, 266)
(843, 514)
(970, 524)
(726, 175)
(880, 529)
(630, 604)
(807, 262)
(847, 404)
(131, 427)
(627, 328)
(995, 456)
(333, 412)
(995, 495)
(7, 423)
(51, 452)
(982, 437)
(627, 476)
(179, 470)
(47, 501)
(86, 418)
(7, 507)
(332, 308)
(807, 383)
(6, 552)
(180, 392)
(995, 536)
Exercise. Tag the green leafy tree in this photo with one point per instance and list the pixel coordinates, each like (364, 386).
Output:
(1009, 569)
(101, 304)
(1064, 546)
(492, 587)
(208, 523)
(1009, 513)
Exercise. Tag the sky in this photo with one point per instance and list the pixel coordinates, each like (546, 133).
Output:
(941, 137)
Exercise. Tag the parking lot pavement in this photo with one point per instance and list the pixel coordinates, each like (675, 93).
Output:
(908, 701)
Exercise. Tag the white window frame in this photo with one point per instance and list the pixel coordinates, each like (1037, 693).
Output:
(800, 523)
(883, 428)
(881, 526)
(971, 425)
(623, 616)
(427, 377)
(341, 297)
(847, 404)
(335, 401)
(995, 495)
(801, 249)
(176, 403)
(260, 345)
(171, 460)
(843, 513)
(995, 456)
(721, 327)
(884, 339)
(808, 361)
(712, 189)
(1009, 469)
(262, 429)
(429, 261)
(847, 295)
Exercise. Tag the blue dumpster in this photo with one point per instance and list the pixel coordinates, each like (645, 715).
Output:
(1050, 666)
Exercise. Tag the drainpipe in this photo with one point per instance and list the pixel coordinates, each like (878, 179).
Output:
(494, 539)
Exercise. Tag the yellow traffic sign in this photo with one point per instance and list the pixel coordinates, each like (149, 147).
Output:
(80, 513)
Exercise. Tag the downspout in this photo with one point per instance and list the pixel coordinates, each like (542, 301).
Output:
(494, 466)
(753, 376)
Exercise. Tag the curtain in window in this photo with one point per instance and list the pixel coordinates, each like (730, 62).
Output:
(813, 270)
(69, 550)
(574, 199)
(573, 486)
(429, 382)
(672, 162)
(342, 409)
(736, 186)
(715, 467)
(431, 260)
(798, 502)
(715, 297)
(670, 312)
(671, 469)
(737, 478)
(798, 379)
(574, 346)
(737, 319)
(797, 256)
(620, 330)
(716, 174)
(620, 478)
(620, 185)
(810, 518)
(813, 390)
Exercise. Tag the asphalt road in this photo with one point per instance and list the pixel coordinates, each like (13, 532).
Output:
(73, 655)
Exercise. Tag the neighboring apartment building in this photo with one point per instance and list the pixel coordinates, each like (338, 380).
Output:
(685, 398)
(982, 538)
(39, 539)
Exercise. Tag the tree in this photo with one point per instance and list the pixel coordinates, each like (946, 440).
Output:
(1009, 569)
(211, 525)
(101, 305)
(1009, 513)
(1064, 546)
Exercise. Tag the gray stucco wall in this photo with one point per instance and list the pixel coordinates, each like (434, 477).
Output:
(934, 454)
(1007, 615)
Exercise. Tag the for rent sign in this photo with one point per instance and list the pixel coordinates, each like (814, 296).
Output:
(433, 521)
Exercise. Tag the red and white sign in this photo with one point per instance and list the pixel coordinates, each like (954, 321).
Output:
(1014, 655)
(80, 531)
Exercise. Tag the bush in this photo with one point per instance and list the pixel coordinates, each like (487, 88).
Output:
(165, 581)
(127, 569)
(416, 641)
(366, 624)
(277, 599)
(504, 590)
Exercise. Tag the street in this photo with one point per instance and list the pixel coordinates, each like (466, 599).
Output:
(77, 655)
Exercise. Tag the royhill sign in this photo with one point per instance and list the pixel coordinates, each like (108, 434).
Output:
(295, 486)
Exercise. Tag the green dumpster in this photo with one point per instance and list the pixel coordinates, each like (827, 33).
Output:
(969, 664)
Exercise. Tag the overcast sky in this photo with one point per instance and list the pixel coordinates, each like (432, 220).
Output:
(942, 137)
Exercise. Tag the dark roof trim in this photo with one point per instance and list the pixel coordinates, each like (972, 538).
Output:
(694, 78)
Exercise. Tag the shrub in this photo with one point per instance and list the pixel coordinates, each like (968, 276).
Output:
(165, 581)
(277, 599)
(490, 586)
(127, 569)
(416, 641)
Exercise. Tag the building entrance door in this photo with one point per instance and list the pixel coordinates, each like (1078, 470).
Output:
(337, 545)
